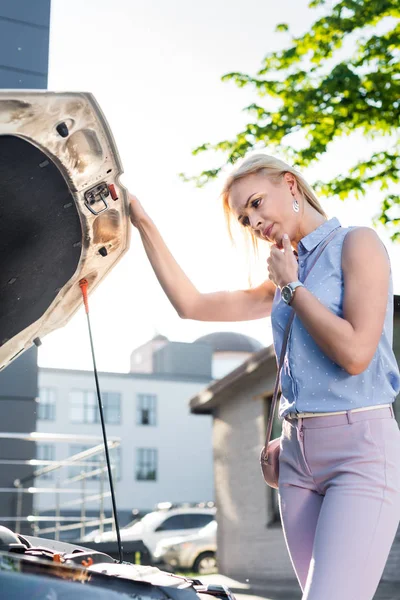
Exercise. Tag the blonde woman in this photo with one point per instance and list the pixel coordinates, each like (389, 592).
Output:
(339, 478)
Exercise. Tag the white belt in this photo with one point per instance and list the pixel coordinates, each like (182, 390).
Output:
(306, 415)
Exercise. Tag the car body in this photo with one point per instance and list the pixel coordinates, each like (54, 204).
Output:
(64, 213)
(39, 568)
(159, 525)
(196, 552)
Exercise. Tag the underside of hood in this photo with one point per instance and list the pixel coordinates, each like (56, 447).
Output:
(63, 212)
(40, 235)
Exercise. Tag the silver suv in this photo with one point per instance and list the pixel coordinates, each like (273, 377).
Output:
(162, 524)
(196, 552)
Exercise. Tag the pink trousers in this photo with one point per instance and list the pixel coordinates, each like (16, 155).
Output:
(339, 494)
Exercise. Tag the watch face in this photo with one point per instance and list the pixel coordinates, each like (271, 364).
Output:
(286, 294)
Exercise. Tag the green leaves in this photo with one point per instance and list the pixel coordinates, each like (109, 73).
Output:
(320, 93)
(282, 27)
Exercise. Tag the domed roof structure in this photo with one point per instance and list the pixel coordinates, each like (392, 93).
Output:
(158, 337)
(229, 341)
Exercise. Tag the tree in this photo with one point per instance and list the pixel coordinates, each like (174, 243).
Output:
(325, 98)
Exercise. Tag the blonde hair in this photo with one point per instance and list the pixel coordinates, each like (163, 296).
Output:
(274, 168)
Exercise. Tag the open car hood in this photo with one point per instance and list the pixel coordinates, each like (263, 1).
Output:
(63, 213)
(39, 568)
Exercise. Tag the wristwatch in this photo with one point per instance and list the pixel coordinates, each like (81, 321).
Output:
(287, 292)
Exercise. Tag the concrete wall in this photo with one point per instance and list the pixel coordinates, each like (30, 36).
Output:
(247, 546)
(225, 362)
(392, 570)
(141, 359)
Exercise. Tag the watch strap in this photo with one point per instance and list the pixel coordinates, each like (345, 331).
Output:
(295, 284)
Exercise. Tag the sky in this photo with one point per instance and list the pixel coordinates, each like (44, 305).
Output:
(155, 68)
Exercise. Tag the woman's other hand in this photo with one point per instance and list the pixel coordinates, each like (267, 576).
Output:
(282, 264)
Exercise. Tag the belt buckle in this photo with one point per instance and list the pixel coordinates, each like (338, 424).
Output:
(305, 415)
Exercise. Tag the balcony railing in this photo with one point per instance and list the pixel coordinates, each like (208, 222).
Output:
(63, 486)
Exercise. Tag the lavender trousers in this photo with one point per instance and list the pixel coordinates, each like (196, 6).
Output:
(339, 496)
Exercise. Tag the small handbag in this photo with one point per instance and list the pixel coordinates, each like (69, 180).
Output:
(269, 458)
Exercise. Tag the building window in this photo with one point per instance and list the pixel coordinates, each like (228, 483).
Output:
(95, 462)
(84, 407)
(175, 523)
(47, 404)
(116, 460)
(146, 409)
(111, 407)
(185, 521)
(146, 464)
(45, 452)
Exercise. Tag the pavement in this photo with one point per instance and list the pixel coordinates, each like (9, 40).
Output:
(285, 589)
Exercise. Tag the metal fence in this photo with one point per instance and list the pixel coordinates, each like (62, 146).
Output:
(64, 486)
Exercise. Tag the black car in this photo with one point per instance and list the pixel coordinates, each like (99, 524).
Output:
(45, 569)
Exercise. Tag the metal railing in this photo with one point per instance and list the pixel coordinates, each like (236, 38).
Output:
(63, 486)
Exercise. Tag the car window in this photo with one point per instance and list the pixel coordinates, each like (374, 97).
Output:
(196, 520)
(175, 522)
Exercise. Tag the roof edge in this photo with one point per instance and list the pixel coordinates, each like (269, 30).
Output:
(185, 378)
(206, 400)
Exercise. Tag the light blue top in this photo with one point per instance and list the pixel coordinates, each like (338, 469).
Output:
(310, 380)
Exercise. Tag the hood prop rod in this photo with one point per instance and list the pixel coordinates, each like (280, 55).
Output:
(84, 288)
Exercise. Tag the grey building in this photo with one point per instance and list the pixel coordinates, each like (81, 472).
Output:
(24, 50)
(24, 43)
(250, 537)
(18, 392)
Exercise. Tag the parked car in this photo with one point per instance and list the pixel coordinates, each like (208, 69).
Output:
(159, 525)
(196, 552)
(92, 535)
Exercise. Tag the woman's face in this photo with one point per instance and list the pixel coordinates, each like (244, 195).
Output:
(266, 207)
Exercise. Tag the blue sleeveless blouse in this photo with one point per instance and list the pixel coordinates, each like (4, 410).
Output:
(310, 380)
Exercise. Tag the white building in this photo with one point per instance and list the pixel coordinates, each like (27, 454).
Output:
(166, 452)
